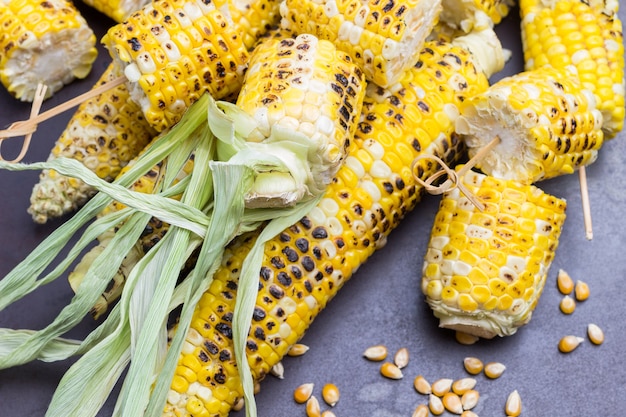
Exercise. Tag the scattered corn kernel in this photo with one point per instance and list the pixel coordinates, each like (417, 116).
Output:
(469, 399)
(441, 386)
(330, 394)
(595, 334)
(401, 358)
(466, 338)
(461, 386)
(278, 370)
(513, 407)
(297, 349)
(302, 393)
(581, 290)
(376, 353)
(420, 411)
(473, 365)
(435, 405)
(391, 371)
(564, 282)
(328, 413)
(313, 407)
(567, 305)
(569, 343)
(468, 413)
(421, 385)
(494, 369)
(452, 402)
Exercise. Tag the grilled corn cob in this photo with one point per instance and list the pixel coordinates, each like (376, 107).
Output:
(45, 42)
(307, 264)
(384, 38)
(484, 271)
(468, 15)
(173, 51)
(254, 18)
(587, 35)
(118, 10)
(104, 133)
(547, 123)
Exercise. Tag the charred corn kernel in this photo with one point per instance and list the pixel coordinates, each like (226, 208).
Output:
(473, 365)
(435, 405)
(441, 386)
(494, 370)
(513, 406)
(515, 267)
(461, 386)
(581, 290)
(569, 343)
(306, 85)
(330, 394)
(452, 402)
(313, 407)
(308, 264)
(421, 385)
(118, 10)
(547, 123)
(465, 338)
(401, 358)
(391, 371)
(468, 15)
(165, 74)
(595, 334)
(567, 305)
(303, 392)
(564, 282)
(298, 349)
(104, 134)
(469, 399)
(376, 353)
(43, 42)
(585, 35)
(420, 411)
(382, 38)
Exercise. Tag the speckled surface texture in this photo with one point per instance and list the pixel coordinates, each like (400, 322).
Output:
(383, 304)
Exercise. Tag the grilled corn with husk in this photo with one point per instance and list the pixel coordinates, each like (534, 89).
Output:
(484, 271)
(46, 42)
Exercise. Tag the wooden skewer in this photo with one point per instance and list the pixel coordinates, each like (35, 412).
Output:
(584, 194)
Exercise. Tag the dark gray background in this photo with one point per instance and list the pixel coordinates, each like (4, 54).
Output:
(383, 302)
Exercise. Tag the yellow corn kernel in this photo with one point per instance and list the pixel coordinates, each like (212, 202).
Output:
(567, 305)
(473, 365)
(303, 392)
(564, 282)
(513, 406)
(595, 334)
(568, 343)
(581, 290)
(421, 385)
(330, 394)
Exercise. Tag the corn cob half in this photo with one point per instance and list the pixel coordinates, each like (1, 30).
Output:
(305, 265)
(547, 123)
(384, 38)
(45, 42)
(484, 271)
(586, 35)
(173, 51)
(104, 133)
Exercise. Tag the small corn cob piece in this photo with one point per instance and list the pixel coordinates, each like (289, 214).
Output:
(307, 264)
(173, 51)
(118, 10)
(587, 35)
(484, 271)
(468, 15)
(104, 133)
(547, 123)
(46, 42)
(384, 38)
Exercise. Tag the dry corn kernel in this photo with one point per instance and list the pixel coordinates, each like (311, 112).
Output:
(567, 305)
(469, 399)
(313, 407)
(569, 343)
(391, 371)
(564, 282)
(330, 394)
(452, 403)
(466, 338)
(376, 353)
(581, 290)
(297, 349)
(473, 365)
(420, 411)
(401, 358)
(468, 413)
(595, 334)
(513, 406)
(494, 369)
(302, 393)
(421, 385)
(461, 386)
(238, 406)
(441, 386)
(278, 370)
(435, 405)
(328, 413)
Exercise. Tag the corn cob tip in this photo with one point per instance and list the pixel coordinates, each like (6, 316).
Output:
(486, 48)
(56, 195)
